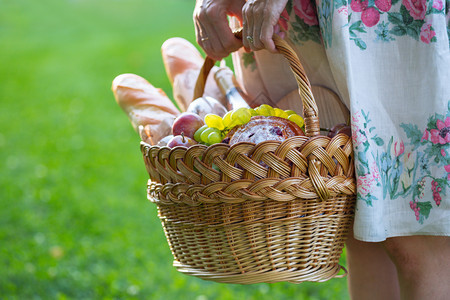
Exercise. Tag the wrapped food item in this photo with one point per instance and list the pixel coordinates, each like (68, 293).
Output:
(148, 108)
(183, 62)
(164, 141)
(206, 105)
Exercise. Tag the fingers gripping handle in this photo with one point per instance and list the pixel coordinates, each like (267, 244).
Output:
(310, 111)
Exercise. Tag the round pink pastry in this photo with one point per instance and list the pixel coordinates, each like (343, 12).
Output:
(261, 128)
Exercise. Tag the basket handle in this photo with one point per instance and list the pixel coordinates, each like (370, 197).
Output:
(310, 111)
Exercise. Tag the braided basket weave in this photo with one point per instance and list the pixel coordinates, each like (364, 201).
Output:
(230, 218)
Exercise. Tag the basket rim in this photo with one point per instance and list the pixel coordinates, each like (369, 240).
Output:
(322, 164)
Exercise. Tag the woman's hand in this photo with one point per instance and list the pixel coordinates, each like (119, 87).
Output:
(211, 26)
(259, 20)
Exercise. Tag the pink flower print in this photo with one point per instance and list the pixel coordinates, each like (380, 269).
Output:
(436, 138)
(366, 183)
(441, 135)
(305, 11)
(357, 137)
(425, 136)
(343, 10)
(426, 33)
(438, 4)
(284, 19)
(356, 117)
(358, 5)
(384, 5)
(374, 171)
(447, 168)
(370, 16)
(398, 148)
(416, 8)
(443, 153)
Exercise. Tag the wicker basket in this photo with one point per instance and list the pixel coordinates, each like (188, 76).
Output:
(230, 218)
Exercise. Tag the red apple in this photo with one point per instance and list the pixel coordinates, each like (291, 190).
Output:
(187, 124)
(345, 130)
(335, 129)
(181, 140)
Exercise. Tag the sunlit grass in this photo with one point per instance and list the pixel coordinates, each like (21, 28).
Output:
(74, 220)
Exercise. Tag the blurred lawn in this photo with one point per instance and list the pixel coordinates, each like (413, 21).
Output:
(74, 219)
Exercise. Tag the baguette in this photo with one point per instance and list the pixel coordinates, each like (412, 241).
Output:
(183, 62)
(149, 109)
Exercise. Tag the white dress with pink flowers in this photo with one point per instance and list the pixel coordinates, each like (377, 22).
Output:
(389, 61)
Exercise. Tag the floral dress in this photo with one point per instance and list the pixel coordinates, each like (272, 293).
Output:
(389, 61)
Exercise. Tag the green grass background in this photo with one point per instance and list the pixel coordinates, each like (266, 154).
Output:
(74, 219)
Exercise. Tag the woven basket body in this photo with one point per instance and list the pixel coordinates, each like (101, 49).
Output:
(271, 212)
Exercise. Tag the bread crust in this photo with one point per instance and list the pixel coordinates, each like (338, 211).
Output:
(261, 129)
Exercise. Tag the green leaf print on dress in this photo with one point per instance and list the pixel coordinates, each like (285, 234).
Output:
(383, 33)
(403, 167)
(366, 168)
(325, 14)
(248, 59)
(304, 22)
(391, 19)
(353, 29)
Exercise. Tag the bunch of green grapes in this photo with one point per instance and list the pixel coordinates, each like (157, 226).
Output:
(216, 127)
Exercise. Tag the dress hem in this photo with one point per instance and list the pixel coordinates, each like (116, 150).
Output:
(400, 234)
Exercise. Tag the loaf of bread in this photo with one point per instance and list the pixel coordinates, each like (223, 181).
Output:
(183, 62)
(149, 109)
